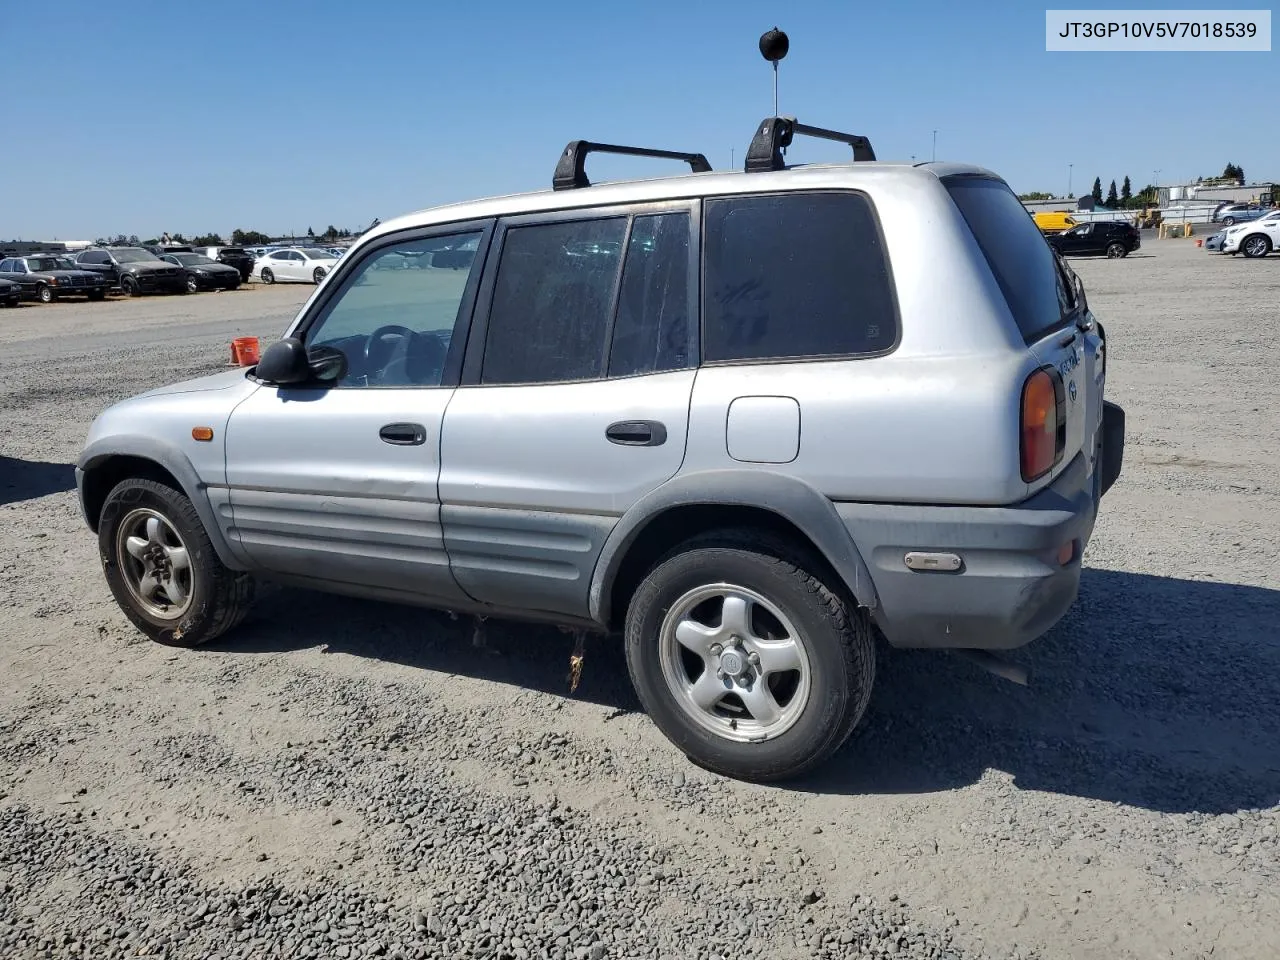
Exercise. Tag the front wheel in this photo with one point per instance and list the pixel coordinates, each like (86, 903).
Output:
(130, 287)
(193, 285)
(46, 294)
(745, 659)
(1258, 246)
(162, 568)
(268, 276)
(1116, 250)
(97, 294)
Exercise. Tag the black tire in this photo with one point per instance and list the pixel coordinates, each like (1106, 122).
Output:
(838, 640)
(1116, 250)
(234, 286)
(1255, 245)
(220, 597)
(97, 295)
(1228, 221)
(46, 293)
(129, 286)
(193, 285)
(268, 276)
(317, 275)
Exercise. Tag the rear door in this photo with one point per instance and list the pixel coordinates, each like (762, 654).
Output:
(575, 397)
(1041, 302)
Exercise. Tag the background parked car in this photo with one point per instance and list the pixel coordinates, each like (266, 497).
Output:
(237, 257)
(48, 278)
(1239, 213)
(135, 270)
(299, 264)
(204, 273)
(10, 293)
(1214, 242)
(1110, 237)
(1255, 239)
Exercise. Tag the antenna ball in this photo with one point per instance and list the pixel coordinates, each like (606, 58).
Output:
(774, 45)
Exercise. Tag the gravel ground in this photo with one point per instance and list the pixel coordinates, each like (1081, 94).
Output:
(348, 779)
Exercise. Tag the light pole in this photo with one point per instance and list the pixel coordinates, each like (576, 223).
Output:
(935, 146)
(1069, 172)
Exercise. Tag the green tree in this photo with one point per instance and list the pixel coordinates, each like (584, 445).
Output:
(248, 238)
(1036, 195)
(1096, 192)
(311, 234)
(1112, 199)
(1126, 194)
(207, 240)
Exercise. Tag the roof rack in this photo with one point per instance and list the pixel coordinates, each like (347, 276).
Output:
(775, 133)
(571, 169)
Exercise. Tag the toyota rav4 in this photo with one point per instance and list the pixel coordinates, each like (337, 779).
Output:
(750, 420)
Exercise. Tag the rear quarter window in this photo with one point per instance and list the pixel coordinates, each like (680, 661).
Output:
(1019, 257)
(795, 275)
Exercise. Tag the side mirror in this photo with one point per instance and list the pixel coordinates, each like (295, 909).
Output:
(284, 362)
(327, 364)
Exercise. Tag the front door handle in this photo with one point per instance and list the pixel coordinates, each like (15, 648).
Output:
(404, 434)
(637, 433)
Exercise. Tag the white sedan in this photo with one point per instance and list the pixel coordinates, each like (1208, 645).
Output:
(299, 264)
(1254, 239)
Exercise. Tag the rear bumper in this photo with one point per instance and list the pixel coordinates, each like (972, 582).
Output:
(1010, 586)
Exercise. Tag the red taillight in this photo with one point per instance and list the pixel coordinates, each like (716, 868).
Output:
(1044, 423)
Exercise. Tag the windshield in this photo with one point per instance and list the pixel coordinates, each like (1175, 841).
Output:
(133, 255)
(192, 259)
(66, 263)
(38, 264)
(315, 253)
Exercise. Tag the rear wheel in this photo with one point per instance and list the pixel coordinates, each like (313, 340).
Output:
(1256, 246)
(318, 274)
(1116, 249)
(1228, 221)
(745, 659)
(45, 293)
(268, 276)
(162, 568)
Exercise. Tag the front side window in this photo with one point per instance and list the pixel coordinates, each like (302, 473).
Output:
(553, 301)
(796, 275)
(395, 326)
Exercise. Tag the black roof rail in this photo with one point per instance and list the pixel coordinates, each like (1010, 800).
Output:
(571, 169)
(775, 133)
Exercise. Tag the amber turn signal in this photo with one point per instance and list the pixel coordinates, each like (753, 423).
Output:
(203, 434)
(1042, 421)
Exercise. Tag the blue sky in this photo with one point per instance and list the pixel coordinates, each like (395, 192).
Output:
(277, 116)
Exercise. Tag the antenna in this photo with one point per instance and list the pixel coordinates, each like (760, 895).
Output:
(774, 45)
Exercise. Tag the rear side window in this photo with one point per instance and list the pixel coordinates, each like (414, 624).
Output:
(1020, 258)
(552, 301)
(795, 275)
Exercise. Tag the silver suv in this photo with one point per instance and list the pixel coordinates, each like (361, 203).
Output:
(751, 420)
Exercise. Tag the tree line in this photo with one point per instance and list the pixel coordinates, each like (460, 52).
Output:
(239, 238)
(1126, 199)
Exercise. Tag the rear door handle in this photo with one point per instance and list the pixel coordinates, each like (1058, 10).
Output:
(637, 433)
(404, 434)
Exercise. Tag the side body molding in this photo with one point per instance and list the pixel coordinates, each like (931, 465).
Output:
(788, 497)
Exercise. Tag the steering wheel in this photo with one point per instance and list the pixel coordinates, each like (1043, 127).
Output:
(377, 343)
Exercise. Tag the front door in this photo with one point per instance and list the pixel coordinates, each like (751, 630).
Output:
(574, 402)
(339, 485)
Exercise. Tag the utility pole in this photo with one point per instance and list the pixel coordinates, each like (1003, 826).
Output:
(935, 145)
(1069, 172)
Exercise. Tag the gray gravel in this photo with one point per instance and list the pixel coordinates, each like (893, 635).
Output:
(340, 778)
